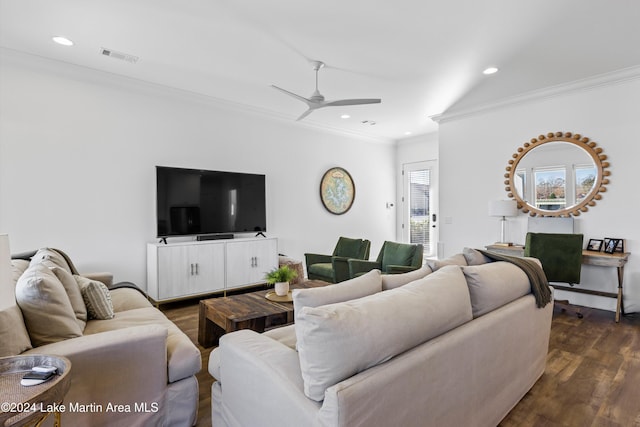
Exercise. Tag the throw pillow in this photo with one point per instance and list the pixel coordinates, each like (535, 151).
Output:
(367, 284)
(457, 259)
(50, 255)
(361, 286)
(73, 292)
(47, 311)
(337, 341)
(14, 338)
(495, 284)
(392, 281)
(96, 297)
(474, 257)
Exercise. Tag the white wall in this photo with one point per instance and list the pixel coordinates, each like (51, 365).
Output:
(474, 151)
(78, 150)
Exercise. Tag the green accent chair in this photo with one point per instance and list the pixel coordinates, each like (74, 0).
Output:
(560, 255)
(334, 268)
(393, 258)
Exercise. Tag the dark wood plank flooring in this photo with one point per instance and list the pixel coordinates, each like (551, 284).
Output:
(592, 376)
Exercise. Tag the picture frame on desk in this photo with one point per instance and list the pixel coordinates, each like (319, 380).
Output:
(612, 245)
(595, 245)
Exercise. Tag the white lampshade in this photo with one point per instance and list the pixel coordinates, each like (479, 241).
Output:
(503, 208)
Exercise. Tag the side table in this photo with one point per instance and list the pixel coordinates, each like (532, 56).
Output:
(21, 405)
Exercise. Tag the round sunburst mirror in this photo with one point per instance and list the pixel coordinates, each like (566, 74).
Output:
(557, 174)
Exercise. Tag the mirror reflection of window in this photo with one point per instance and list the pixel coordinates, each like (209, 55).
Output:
(550, 188)
(585, 180)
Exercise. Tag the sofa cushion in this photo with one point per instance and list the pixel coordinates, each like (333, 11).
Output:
(124, 299)
(392, 281)
(495, 284)
(96, 297)
(183, 357)
(48, 254)
(457, 259)
(14, 338)
(285, 335)
(337, 341)
(45, 306)
(474, 257)
(324, 269)
(73, 292)
(18, 267)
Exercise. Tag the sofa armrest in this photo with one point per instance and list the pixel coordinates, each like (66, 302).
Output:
(104, 277)
(316, 258)
(340, 268)
(359, 266)
(253, 367)
(397, 269)
(120, 366)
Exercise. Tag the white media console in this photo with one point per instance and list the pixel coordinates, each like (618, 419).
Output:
(186, 269)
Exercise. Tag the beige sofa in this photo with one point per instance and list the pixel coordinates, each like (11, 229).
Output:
(456, 347)
(137, 358)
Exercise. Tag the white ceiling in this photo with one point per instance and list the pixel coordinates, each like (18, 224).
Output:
(422, 57)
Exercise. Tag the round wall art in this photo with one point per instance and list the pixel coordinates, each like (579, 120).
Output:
(337, 190)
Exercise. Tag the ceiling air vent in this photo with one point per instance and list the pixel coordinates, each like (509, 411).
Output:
(119, 55)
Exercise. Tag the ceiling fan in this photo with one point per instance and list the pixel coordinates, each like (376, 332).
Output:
(316, 100)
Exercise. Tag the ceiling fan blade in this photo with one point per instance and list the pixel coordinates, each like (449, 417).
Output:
(298, 97)
(352, 102)
(305, 114)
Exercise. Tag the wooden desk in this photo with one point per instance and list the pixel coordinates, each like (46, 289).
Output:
(617, 260)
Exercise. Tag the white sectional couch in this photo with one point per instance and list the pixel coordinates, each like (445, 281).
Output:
(133, 356)
(456, 347)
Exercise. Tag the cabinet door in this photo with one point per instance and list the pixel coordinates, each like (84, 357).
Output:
(173, 271)
(206, 268)
(248, 262)
(190, 269)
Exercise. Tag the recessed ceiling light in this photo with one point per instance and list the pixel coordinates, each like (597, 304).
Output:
(345, 116)
(62, 40)
(490, 70)
(408, 132)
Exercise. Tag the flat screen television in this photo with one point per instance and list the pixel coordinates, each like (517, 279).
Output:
(205, 202)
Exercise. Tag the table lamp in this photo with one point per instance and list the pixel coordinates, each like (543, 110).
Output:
(503, 209)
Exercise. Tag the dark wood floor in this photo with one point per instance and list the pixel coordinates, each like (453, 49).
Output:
(592, 376)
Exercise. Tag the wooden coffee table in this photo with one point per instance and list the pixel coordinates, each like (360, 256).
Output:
(245, 311)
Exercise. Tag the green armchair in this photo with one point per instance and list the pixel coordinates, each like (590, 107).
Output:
(334, 268)
(560, 256)
(393, 258)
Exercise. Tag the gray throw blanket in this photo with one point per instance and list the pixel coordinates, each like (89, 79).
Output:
(537, 278)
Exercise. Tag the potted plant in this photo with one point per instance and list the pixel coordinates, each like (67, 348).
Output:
(280, 277)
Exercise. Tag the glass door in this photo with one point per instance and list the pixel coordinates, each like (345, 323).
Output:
(419, 224)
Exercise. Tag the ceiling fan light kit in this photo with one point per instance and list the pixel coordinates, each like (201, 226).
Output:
(317, 100)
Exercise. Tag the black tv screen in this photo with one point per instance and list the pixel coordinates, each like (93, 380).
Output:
(195, 202)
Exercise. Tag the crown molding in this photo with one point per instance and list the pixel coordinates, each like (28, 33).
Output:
(600, 80)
